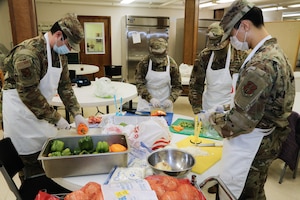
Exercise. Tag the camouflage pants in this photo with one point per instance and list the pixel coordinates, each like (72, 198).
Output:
(267, 153)
(32, 166)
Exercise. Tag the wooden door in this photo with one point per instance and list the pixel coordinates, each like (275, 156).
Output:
(102, 57)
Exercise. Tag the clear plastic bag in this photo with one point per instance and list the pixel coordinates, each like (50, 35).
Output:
(104, 88)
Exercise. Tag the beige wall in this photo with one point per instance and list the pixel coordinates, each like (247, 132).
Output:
(286, 32)
(288, 36)
(5, 30)
(49, 13)
(117, 14)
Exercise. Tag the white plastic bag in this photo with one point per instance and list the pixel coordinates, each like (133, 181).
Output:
(104, 88)
(151, 131)
(185, 70)
(154, 132)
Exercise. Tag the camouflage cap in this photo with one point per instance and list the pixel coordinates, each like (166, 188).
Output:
(158, 45)
(234, 13)
(215, 33)
(73, 30)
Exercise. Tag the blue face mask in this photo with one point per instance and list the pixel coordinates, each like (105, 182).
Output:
(62, 49)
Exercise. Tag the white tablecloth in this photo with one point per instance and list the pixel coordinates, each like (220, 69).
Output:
(83, 69)
(86, 97)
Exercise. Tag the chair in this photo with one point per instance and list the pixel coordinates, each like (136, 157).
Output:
(114, 72)
(11, 164)
(73, 58)
(290, 151)
(72, 75)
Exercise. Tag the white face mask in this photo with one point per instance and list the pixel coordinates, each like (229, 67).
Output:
(243, 46)
(62, 49)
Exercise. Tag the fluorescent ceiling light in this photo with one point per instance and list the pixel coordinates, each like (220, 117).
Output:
(225, 1)
(294, 6)
(126, 1)
(204, 5)
(291, 15)
(273, 8)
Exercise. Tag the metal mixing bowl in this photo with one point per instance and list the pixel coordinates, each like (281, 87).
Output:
(181, 162)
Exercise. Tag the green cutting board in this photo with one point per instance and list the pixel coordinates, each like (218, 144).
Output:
(186, 130)
(208, 133)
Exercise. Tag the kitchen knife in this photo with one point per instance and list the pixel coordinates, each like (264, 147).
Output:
(138, 113)
(210, 145)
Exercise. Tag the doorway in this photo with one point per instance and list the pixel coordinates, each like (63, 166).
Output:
(96, 47)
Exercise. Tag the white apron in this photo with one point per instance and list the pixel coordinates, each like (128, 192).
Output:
(26, 131)
(158, 85)
(218, 85)
(239, 152)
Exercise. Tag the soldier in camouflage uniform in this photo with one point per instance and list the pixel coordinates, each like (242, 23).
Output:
(257, 123)
(216, 63)
(3, 53)
(36, 70)
(157, 77)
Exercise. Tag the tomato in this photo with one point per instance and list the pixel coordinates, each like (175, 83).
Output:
(76, 195)
(170, 183)
(170, 188)
(94, 119)
(171, 195)
(189, 192)
(90, 191)
(159, 190)
(93, 191)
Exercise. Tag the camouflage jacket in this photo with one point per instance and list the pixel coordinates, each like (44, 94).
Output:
(264, 95)
(141, 72)
(32, 54)
(197, 79)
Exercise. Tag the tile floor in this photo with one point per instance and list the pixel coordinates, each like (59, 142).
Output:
(289, 189)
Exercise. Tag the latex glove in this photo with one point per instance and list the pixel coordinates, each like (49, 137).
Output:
(167, 103)
(204, 116)
(217, 109)
(207, 115)
(217, 119)
(79, 119)
(155, 102)
(62, 124)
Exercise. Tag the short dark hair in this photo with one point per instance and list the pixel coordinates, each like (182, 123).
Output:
(55, 28)
(254, 15)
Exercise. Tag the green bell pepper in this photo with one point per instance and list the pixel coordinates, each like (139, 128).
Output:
(86, 143)
(55, 153)
(102, 147)
(76, 151)
(57, 145)
(84, 152)
(66, 152)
